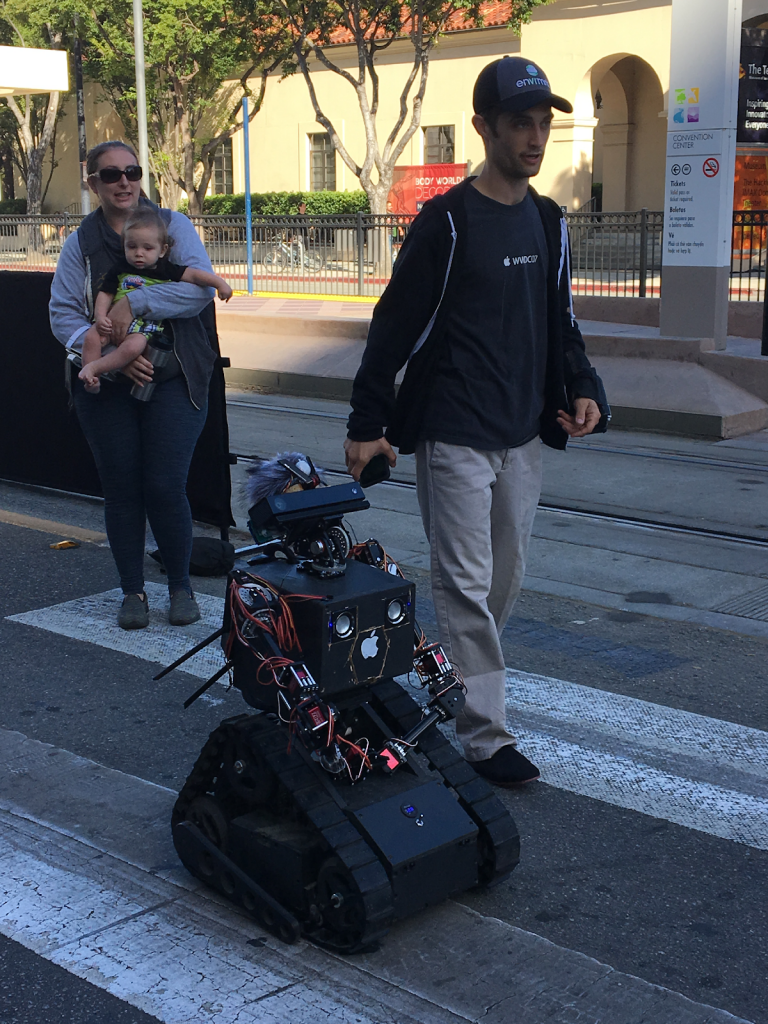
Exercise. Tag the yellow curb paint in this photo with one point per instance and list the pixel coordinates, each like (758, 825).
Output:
(51, 526)
(312, 296)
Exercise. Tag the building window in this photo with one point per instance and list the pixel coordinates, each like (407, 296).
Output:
(439, 144)
(223, 181)
(322, 163)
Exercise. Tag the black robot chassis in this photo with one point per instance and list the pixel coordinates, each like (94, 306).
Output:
(339, 806)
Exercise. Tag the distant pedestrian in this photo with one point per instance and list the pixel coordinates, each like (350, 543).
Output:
(142, 449)
(480, 308)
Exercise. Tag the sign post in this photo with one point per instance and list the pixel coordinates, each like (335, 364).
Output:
(701, 152)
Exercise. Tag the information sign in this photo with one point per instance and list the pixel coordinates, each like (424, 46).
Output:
(752, 117)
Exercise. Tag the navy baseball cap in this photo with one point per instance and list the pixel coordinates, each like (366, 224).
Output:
(514, 84)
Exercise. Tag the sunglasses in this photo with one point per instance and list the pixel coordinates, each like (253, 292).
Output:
(111, 175)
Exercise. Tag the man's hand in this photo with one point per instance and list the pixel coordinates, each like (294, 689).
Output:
(359, 453)
(139, 371)
(584, 420)
(122, 318)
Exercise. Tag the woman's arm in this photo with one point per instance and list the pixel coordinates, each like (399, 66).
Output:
(68, 309)
(167, 301)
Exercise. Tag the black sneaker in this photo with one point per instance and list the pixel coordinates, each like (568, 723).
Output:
(507, 767)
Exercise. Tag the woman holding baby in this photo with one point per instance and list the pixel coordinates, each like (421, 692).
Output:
(142, 449)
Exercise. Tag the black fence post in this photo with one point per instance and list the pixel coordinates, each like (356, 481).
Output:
(360, 243)
(643, 251)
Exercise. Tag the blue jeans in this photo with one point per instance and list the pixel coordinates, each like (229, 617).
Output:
(142, 452)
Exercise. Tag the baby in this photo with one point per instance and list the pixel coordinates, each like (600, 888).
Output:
(146, 245)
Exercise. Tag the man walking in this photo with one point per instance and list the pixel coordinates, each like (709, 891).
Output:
(480, 308)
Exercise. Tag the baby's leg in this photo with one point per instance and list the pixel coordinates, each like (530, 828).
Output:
(92, 344)
(124, 354)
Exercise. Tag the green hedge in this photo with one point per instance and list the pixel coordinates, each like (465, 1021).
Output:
(281, 204)
(17, 206)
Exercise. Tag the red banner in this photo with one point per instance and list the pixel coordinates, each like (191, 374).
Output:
(413, 186)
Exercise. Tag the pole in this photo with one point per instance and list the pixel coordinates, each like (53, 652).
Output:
(85, 195)
(248, 225)
(643, 251)
(141, 89)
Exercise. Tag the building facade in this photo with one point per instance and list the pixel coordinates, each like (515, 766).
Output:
(610, 58)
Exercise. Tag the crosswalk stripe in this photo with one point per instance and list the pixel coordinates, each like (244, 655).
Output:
(699, 772)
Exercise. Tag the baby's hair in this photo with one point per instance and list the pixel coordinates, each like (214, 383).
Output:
(147, 217)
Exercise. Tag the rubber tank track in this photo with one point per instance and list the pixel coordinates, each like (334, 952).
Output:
(499, 841)
(317, 808)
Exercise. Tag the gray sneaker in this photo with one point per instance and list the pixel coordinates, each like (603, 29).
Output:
(184, 609)
(134, 612)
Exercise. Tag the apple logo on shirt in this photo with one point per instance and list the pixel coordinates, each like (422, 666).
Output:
(507, 261)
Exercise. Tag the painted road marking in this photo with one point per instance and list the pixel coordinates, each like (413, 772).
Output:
(699, 772)
(52, 526)
(100, 907)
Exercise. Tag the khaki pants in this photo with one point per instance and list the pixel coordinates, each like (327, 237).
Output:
(478, 509)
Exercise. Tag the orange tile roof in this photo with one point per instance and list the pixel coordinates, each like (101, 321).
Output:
(495, 13)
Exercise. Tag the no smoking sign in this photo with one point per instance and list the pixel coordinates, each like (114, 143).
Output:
(711, 167)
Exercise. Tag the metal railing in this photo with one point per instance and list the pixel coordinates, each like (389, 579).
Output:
(748, 255)
(329, 255)
(33, 243)
(613, 254)
(616, 254)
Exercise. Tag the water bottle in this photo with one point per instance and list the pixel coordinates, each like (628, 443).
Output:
(159, 357)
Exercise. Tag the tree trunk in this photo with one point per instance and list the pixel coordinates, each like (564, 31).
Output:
(6, 174)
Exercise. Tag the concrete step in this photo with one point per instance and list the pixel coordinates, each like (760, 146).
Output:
(678, 397)
(652, 382)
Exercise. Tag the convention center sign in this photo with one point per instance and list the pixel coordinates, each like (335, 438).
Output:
(752, 122)
(412, 186)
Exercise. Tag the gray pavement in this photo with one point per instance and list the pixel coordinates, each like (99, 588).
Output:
(640, 897)
(694, 484)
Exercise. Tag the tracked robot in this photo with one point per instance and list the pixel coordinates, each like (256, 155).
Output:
(339, 806)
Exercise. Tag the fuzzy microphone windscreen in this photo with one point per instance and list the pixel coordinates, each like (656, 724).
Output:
(270, 476)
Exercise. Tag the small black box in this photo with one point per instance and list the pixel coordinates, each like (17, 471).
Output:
(355, 628)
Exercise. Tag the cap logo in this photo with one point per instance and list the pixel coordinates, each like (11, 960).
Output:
(523, 82)
(531, 69)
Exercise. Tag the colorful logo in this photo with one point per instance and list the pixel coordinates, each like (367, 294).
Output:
(679, 95)
(531, 69)
(679, 116)
(693, 113)
(693, 95)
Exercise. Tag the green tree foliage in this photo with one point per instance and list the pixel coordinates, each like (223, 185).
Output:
(191, 49)
(31, 135)
(282, 204)
(371, 27)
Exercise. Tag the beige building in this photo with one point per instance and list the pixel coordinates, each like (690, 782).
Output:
(610, 58)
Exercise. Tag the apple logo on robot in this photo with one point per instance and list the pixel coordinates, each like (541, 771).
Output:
(369, 648)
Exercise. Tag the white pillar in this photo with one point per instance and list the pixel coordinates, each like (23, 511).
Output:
(701, 151)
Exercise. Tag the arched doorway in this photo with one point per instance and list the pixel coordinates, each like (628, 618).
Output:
(630, 135)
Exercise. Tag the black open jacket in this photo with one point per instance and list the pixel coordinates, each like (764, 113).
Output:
(409, 326)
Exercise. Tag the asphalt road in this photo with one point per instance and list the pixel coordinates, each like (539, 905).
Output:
(671, 905)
